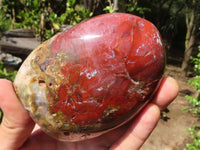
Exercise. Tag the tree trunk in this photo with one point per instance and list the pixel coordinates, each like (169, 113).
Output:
(189, 39)
(115, 7)
(13, 17)
(99, 6)
(189, 46)
(88, 4)
(42, 23)
(85, 3)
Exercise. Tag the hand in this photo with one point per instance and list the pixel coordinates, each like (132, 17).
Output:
(16, 129)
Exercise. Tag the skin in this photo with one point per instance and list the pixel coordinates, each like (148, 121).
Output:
(17, 128)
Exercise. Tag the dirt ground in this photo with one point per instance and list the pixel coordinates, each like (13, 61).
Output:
(170, 134)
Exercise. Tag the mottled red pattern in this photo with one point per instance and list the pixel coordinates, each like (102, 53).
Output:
(114, 62)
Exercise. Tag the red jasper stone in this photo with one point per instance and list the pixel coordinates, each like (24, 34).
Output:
(93, 77)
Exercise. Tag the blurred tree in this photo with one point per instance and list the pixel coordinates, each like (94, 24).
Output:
(12, 7)
(98, 6)
(6, 21)
(192, 17)
(88, 4)
(112, 6)
(168, 15)
(58, 6)
(44, 17)
(115, 5)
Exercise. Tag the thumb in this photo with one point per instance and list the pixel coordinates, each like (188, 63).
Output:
(16, 125)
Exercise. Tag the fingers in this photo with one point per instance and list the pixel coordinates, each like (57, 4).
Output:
(140, 129)
(146, 121)
(16, 125)
(166, 93)
(9, 103)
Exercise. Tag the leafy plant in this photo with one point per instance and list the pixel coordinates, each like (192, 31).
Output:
(195, 135)
(195, 102)
(132, 6)
(109, 9)
(73, 14)
(10, 75)
(42, 18)
(6, 22)
(4, 73)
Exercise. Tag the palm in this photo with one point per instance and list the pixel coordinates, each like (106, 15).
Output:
(39, 140)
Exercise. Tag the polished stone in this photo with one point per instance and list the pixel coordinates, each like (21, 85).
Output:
(93, 77)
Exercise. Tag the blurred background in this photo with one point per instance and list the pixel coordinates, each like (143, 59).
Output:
(24, 24)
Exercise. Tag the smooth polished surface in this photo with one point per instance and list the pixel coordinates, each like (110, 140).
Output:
(93, 77)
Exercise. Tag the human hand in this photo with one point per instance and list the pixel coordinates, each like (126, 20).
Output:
(16, 129)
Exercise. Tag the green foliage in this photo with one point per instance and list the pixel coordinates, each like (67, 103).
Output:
(195, 135)
(74, 15)
(41, 17)
(195, 102)
(10, 75)
(128, 6)
(71, 16)
(133, 7)
(6, 22)
(196, 61)
(109, 9)
(4, 73)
